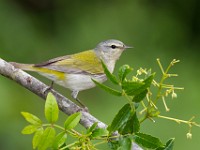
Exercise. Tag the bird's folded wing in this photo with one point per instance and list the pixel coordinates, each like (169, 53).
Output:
(85, 63)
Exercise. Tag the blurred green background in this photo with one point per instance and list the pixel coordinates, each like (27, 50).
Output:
(32, 31)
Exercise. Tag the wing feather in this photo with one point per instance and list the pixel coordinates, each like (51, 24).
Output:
(85, 62)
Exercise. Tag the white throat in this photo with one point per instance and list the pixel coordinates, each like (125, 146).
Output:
(107, 59)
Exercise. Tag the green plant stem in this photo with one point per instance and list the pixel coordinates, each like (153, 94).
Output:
(99, 143)
(59, 127)
(180, 121)
(77, 133)
(159, 90)
(164, 76)
(73, 133)
(130, 102)
(67, 146)
(53, 125)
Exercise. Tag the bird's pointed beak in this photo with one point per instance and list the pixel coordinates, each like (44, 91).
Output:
(125, 46)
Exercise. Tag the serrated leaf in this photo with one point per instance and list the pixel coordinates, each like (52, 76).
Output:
(109, 75)
(47, 138)
(37, 137)
(134, 88)
(99, 132)
(59, 140)
(123, 71)
(147, 141)
(132, 125)
(29, 129)
(72, 121)
(107, 89)
(121, 117)
(138, 98)
(32, 119)
(51, 108)
(92, 128)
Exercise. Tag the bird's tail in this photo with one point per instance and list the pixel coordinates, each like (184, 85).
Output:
(51, 74)
(28, 67)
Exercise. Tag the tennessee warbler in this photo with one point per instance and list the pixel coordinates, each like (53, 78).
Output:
(76, 70)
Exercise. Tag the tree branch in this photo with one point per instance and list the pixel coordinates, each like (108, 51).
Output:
(39, 88)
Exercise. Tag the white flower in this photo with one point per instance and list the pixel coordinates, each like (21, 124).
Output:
(189, 135)
(174, 95)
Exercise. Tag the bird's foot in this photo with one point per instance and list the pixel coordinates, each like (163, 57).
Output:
(49, 88)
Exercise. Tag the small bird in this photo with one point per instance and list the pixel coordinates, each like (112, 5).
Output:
(76, 70)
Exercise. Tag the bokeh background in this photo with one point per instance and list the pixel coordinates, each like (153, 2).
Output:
(37, 30)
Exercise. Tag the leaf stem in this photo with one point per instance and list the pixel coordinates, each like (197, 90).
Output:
(69, 145)
(73, 133)
(99, 143)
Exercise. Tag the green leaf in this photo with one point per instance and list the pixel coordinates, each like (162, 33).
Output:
(37, 137)
(32, 119)
(114, 144)
(138, 98)
(51, 108)
(132, 87)
(47, 138)
(136, 105)
(29, 129)
(149, 80)
(72, 120)
(125, 144)
(132, 125)
(136, 123)
(99, 132)
(121, 118)
(169, 145)
(109, 75)
(123, 71)
(92, 128)
(107, 89)
(135, 88)
(59, 140)
(147, 141)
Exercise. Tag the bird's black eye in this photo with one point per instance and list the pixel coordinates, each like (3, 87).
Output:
(113, 46)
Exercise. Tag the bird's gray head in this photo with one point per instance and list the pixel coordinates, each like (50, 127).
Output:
(110, 49)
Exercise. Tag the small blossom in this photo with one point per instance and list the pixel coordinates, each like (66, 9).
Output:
(134, 78)
(174, 95)
(139, 72)
(167, 92)
(189, 135)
